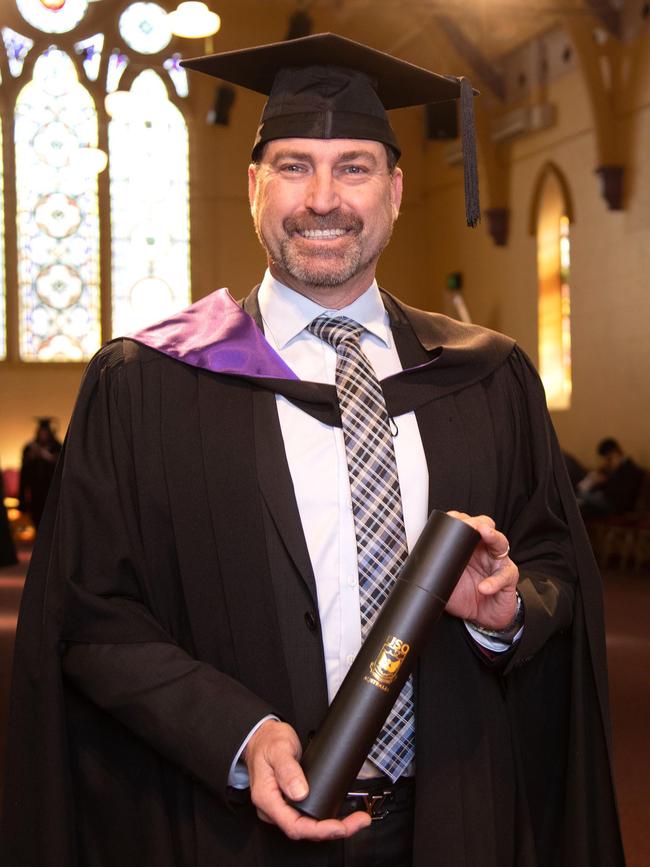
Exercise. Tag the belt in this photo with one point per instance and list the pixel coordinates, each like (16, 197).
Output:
(378, 797)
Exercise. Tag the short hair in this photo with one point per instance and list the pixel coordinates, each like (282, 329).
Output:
(607, 446)
(391, 157)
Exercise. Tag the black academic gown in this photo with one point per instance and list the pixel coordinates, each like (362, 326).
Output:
(171, 603)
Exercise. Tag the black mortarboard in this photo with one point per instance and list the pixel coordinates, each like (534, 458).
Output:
(326, 86)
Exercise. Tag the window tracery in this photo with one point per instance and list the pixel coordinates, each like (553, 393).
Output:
(62, 58)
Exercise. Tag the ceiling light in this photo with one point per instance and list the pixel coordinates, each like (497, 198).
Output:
(193, 20)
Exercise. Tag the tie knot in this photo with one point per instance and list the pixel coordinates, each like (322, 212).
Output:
(336, 330)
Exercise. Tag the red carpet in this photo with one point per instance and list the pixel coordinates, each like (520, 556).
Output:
(11, 585)
(627, 605)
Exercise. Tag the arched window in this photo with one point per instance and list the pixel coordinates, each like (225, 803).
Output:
(552, 219)
(57, 215)
(90, 257)
(3, 304)
(149, 219)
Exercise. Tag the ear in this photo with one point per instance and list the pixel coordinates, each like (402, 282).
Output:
(397, 186)
(252, 184)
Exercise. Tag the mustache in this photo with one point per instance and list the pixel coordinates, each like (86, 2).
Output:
(333, 220)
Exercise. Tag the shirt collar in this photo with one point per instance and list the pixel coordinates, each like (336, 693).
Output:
(286, 313)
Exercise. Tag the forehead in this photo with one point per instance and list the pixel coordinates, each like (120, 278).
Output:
(325, 149)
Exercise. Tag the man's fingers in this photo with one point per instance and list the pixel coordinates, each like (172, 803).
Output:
(265, 816)
(305, 828)
(505, 577)
(273, 809)
(495, 542)
(291, 779)
(356, 822)
(272, 758)
(479, 522)
(279, 763)
(299, 827)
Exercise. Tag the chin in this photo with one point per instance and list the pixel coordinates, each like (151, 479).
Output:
(322, 270)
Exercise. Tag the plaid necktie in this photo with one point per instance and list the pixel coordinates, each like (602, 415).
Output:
(377, 509)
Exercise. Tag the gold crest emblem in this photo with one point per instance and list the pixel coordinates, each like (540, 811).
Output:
(385, 666)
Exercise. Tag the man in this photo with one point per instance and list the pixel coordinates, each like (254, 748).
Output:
(226, 523)
(614, 487)
(37, 469)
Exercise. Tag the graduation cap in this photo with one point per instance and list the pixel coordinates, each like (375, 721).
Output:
(326, 86)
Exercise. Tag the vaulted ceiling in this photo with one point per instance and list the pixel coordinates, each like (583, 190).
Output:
(490, 28)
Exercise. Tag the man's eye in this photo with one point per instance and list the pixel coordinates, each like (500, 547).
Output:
(354, 170)
(292, 168)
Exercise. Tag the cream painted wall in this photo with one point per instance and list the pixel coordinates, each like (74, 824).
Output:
(610, 268)
(610, 258)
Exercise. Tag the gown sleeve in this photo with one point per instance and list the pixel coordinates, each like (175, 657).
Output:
(121, 646)
(532, 506)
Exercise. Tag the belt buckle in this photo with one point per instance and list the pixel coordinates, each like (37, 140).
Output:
(376, 806)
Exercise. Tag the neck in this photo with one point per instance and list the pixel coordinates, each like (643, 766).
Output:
(331, 297)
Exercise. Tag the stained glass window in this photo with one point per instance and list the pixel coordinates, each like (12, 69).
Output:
(554, 304)
(91, 51)
(177, 74)
(117, 64)
(144, 27)
(53, 16)
(3, 310)
(17, 47)
(57, 215)
(55, 226)
(148, 148)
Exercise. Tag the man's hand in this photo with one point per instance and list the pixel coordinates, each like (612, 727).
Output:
(485, 593)
(271, 756)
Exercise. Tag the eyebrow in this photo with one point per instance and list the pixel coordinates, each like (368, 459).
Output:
(290, 155)
(344, 156)
(350, 156)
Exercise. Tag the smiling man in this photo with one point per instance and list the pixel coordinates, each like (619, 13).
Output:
(239, 489)
(324, 211)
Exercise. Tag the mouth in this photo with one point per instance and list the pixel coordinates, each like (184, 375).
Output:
(324, 228)
(321, 234)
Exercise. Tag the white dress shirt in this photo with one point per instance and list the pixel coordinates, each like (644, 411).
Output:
(323, 491)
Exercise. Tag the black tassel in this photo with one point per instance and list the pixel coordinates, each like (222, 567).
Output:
(472, 204)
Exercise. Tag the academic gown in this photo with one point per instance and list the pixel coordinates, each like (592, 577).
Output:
(171, 604)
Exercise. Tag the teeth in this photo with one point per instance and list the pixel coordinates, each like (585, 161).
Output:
(318, 234)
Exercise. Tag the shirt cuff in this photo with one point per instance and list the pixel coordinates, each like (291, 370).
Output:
(491, 643)
(497, 640)
(238, 776)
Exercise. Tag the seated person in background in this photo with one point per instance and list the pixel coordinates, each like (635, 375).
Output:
(614, 487)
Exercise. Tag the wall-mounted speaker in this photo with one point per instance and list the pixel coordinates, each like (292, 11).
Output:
(441, 121)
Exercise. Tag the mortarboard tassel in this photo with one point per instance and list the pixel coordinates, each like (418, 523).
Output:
(468, 133)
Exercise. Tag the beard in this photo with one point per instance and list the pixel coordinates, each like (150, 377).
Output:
(318, 264)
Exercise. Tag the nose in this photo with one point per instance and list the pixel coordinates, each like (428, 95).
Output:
(322, 194)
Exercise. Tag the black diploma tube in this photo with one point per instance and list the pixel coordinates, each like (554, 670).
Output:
(334, 756)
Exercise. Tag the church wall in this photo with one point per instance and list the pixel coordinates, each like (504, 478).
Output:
(610, 264)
